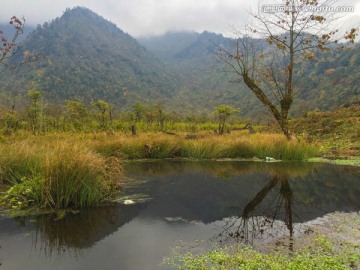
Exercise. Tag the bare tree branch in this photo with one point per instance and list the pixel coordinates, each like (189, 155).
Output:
(9, 47)
(294, 33)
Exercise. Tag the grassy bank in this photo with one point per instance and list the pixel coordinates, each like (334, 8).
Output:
(352, 161)
(205, 146)
(328, 244)
(321, 254)
(337, 131)
(61, 170)
(158, 145)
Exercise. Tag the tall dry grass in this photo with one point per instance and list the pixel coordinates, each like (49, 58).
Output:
(65, 170)
(208, 146)
(57, 174)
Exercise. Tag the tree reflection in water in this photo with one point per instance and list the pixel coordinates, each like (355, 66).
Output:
(251, 225)
(271, 199)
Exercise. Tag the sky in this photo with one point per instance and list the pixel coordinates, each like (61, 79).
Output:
(152, 17)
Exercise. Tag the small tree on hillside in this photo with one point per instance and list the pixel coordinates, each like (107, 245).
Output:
(77, 112)
(223, 112)
(295, 31)
(104, 108)
(160, 115)
(35, 110)
(76, 109)
(139, 111)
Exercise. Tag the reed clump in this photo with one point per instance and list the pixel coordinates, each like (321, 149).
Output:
(57, 175)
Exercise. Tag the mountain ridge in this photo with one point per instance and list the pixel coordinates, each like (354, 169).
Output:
(89, 58)
(86, 56)
(326, 84)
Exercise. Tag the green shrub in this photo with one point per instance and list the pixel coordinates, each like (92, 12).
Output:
(26, 193)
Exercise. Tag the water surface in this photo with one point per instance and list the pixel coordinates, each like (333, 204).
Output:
(191, 205)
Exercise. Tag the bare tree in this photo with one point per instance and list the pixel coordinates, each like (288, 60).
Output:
(9, 46)
(268, 54)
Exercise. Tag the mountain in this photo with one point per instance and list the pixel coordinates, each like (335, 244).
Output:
(88, 57)
(206, 84)
(331, 81)
(325, 84)
(168, 45)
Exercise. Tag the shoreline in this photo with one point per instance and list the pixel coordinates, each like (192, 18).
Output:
(345, 161)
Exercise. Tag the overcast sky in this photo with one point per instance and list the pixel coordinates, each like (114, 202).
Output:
(150, 17)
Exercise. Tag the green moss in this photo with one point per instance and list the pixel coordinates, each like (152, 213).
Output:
(321, 254)
(350, 161)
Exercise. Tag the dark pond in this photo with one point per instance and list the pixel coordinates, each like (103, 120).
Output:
(191, 205)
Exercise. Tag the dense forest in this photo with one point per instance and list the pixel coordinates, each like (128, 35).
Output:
(85, 56)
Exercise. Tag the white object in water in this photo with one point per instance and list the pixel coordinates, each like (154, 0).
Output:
(129, 202)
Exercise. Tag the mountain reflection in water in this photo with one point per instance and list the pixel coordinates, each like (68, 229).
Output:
(222, 201)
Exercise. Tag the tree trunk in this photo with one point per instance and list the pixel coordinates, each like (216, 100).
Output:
(284, 125)
(281, 118)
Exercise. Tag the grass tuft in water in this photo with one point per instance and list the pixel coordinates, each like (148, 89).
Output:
(57, 175)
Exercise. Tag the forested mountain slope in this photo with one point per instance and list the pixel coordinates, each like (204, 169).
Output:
(87, 57)
(90, 58)
(326, 83)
